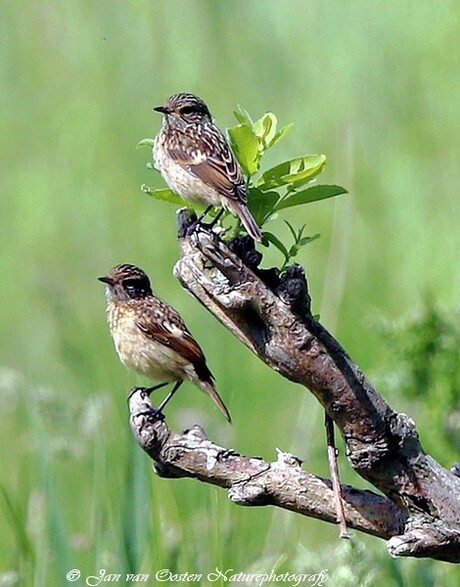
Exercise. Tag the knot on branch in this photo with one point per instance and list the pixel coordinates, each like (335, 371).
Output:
(293, 290)
(245, 248)
(432, 539)
(248, 493)
(284, 460)
(185, 220)
(290, 285)
(455, 469)
(258, 490)
(398, 435)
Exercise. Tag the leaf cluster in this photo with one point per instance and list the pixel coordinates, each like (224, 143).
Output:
(283, 186)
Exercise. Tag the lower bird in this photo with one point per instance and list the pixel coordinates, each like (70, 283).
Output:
(196, 161)
(151, 338)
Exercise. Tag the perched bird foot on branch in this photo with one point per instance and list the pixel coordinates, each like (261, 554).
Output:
(144, 395)
(209, 227)
(198, 225)
(188, 224)
(156, 414)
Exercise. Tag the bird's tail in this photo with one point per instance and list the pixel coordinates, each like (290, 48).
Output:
(242, 211)
(208, 387)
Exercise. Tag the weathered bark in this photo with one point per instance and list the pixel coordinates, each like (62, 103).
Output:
(252, 481)
(271, 316)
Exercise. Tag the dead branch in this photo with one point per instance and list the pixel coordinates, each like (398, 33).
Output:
(271, 315)
(252, 481)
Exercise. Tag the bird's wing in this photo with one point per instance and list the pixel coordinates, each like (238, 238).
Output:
(167, 328)
(210, 159)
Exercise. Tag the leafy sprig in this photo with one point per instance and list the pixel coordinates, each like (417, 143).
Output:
(299, 241)
(283, 186)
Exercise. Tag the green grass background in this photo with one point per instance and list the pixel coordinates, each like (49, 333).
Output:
(373, 85)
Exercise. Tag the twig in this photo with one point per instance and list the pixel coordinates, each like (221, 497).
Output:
(335, 480)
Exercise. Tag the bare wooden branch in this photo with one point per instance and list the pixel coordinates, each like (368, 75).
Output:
(271, 315)
(332, 454)
(252, 481)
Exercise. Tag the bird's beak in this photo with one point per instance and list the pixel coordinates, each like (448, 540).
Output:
(106, 280)
(162, 109)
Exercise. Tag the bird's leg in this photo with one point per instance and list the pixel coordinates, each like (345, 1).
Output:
(217, 218)
(149, 390)
(199, 221)
(205, 213)
(152, 412)
(168, 397)
(156, 413)
(194, 225)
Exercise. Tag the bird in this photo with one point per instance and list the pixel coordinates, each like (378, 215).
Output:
(151, 338)
(196, 161)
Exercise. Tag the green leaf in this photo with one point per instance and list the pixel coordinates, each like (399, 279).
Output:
(145, 143)
(292, 230)
(280, 134)
(164, 194)
(308, 239)
(245, 146)
(242, 116)
(304, 169)
(261, 204)
(265, 128)
(299, 240)
(312, 194)
(270, 237)
(296, 172)
(270, 125)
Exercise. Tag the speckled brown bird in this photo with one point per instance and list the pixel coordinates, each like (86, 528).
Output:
(196, 161)
(151, 338)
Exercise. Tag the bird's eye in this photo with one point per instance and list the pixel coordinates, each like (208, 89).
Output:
(187, 110)
(130, 283)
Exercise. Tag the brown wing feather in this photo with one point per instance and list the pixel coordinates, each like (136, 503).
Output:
(167, 327)
(164, 325)
(209, 158)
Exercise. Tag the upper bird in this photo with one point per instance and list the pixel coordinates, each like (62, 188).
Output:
(150, 336)
(196, 161)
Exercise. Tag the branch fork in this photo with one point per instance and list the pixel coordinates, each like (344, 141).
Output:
(419, 511)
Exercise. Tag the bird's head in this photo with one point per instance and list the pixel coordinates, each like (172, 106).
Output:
(184, 109)
(126, 282)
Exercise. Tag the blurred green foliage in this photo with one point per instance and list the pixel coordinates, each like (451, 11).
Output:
(375, 87)
(424, 351)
